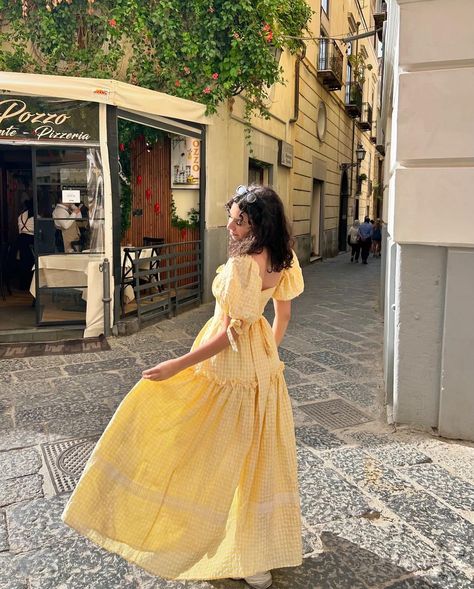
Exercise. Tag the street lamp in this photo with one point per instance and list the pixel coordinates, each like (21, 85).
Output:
(360, 155)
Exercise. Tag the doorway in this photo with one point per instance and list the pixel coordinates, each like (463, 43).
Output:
(343, 209)
(316, 220)
(51, 228)
(16, 249)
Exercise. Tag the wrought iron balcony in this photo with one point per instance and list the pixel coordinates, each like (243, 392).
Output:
(330, 65)
(365, 121)
(353, 99)
(380, 15)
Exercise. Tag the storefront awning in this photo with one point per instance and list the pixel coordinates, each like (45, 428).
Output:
(125, 96)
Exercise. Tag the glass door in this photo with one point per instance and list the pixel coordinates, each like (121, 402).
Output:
(69, 231)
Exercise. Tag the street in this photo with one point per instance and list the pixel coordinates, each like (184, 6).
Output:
(383, 507)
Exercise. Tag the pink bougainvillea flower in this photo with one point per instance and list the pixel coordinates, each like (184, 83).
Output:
(207, 90)
(269, 37)
(215, 75)
(266, 27)
(186, 70)
(177, 83)
(112, 22)
(122, 147)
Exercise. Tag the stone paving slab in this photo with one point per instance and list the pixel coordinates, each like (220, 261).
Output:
(440, 524)
(370, 474)
(36, 524)
(442, 577)
(19, 463)
(67, 565)
(305, 393)
(318, 437)
(389, 542)
(36, 374)
(20, 489)
(329, 497)
(3, 537)
(9, 578)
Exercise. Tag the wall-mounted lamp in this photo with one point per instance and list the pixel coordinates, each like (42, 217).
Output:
(360, 155)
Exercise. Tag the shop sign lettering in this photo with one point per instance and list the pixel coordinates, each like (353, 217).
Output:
(35, 119)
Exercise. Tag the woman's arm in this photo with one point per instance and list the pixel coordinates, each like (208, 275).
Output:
(282, 318)
(212, 347)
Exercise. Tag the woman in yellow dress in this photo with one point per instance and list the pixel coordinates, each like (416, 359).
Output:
(195, 476)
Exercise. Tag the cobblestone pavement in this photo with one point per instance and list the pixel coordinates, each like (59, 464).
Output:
(382, 508)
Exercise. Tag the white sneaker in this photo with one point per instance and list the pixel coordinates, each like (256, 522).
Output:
(260, 580)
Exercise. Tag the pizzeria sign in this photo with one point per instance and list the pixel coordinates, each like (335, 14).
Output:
(26, 118)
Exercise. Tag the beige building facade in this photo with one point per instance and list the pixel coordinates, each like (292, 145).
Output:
(307, 148)
(429, 170)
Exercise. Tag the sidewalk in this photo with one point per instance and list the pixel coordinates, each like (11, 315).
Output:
(382, 508)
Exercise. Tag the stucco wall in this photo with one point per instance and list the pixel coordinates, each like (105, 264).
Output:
(430, 173)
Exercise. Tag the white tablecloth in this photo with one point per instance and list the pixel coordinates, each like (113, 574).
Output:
(76, 270)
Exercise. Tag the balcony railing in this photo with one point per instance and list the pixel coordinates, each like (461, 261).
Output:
(353, 99)
(330, 65)
(380, 15)
(365, 122)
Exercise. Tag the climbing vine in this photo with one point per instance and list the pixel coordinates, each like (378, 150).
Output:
(192, 221)
(204, 50)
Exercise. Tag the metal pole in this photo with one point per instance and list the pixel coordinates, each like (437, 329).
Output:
(105, 269)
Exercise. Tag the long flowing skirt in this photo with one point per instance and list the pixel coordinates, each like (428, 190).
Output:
(195, 479)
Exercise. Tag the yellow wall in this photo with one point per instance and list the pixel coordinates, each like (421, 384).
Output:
(228, 155)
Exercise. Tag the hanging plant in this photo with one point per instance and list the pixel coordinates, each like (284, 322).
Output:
(203, 51)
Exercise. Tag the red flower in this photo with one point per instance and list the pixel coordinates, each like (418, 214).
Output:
(266, 27)
(148, 193)
(177, 83)
(269, 37)
(112, 22)
(207, 90)
(122, 147)
(215, 75)
(139, 179)
(157, 208)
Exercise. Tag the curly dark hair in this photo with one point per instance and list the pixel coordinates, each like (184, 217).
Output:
(269, 226)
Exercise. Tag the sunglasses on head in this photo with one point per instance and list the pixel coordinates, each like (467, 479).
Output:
(246, 194)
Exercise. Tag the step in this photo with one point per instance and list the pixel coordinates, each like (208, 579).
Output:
(41, 334)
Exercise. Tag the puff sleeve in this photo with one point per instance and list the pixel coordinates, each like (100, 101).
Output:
(291, 283)
(240, 295)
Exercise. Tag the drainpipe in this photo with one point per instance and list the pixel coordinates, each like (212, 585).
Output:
(296, 109)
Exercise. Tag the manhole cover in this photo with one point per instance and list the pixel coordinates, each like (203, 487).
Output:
(66, 461)
(334, 414)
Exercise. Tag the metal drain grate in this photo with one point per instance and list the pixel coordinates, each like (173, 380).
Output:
(66, 460)
(335, 414)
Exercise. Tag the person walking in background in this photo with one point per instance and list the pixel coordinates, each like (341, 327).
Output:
(26, 240)
(365, 234)
(195, 476)
(377, 238)
(353, 239)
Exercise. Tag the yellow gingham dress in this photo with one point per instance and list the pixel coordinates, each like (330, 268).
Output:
(195, 476)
